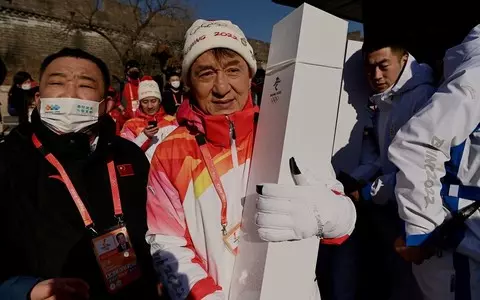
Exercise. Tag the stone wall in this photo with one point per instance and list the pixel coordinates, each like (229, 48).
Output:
(28, 39)
(30, 30)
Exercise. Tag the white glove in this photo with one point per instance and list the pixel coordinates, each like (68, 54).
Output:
(288, 212)
(218, 295)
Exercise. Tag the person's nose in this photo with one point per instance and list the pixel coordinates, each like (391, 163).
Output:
(378, 74)
(221, 86)
(71, 90)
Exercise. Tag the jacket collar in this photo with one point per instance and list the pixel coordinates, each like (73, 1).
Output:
(412, 75)
(217, 128)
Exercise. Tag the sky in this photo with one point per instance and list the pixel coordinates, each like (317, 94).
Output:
(255, 17)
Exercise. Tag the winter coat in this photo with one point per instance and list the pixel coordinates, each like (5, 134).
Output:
(393, 108)
(133, 130)
(43, 234)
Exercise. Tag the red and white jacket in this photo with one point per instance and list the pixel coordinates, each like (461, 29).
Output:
(133, 130)
(184, 209)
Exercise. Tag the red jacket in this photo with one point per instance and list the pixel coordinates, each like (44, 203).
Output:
(130, 94)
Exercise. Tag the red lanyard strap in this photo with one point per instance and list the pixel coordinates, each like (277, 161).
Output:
(131, 92)
(207, 158)
(117, 204)
(175, 99)
(87, 219)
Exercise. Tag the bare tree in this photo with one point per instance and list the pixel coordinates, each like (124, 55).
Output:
(132, 23)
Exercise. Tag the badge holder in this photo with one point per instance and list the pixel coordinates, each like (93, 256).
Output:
(115, 256)
(232, 238)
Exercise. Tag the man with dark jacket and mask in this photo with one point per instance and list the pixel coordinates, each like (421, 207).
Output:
(69, 186)
(130, 88)
(172, 96)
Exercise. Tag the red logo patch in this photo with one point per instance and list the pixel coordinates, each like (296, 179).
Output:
(125, 170)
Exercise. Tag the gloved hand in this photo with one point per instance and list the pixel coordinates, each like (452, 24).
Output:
(289, 212)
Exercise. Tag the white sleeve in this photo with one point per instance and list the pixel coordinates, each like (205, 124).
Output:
(421, 148)
(165, 131)
(157, 139)
(140, 139)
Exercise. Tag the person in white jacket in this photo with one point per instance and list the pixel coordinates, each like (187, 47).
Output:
(199, 175)
(438, 156)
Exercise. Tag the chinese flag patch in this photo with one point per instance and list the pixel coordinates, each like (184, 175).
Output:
(125, 170)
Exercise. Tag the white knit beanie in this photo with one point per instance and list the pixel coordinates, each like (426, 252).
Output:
(148, 88)
(205, 35)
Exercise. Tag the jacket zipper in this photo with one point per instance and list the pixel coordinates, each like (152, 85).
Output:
(233, 144)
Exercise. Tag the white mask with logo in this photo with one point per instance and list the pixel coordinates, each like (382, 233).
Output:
(67, 115)
(175, 84)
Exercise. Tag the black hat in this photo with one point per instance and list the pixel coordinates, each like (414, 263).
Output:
(131, 64)
(171, 71)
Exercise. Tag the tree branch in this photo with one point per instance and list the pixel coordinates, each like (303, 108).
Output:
(132, 29)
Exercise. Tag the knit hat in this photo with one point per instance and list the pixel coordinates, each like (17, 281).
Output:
(148, 88)
(206, 35)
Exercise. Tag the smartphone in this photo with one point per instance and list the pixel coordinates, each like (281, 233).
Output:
(152, 123)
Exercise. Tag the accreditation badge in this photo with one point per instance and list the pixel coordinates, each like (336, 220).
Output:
(116, 258)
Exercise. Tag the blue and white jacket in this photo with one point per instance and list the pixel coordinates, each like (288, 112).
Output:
(438, 151)
(393, 108)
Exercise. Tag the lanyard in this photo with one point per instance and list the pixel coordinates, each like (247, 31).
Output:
(87, 219)
(175, 99)
(130, 90)
(207, 158)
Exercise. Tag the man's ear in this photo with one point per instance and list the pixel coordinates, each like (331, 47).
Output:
(37, 99)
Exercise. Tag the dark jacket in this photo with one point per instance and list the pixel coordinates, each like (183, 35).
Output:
(17, 288)
(168, 100)
(43, 235)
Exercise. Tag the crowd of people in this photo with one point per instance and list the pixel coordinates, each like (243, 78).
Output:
(136, 192)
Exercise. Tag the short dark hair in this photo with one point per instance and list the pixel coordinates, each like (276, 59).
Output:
(79, 53)
(370, 46)
(171, 71)
(21, 77)
(119, 235)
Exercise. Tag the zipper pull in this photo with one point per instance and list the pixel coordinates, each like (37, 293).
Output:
(233, 135)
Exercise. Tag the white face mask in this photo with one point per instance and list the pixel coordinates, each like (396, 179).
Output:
(67, 115)
(26, 86)
(175, 84)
